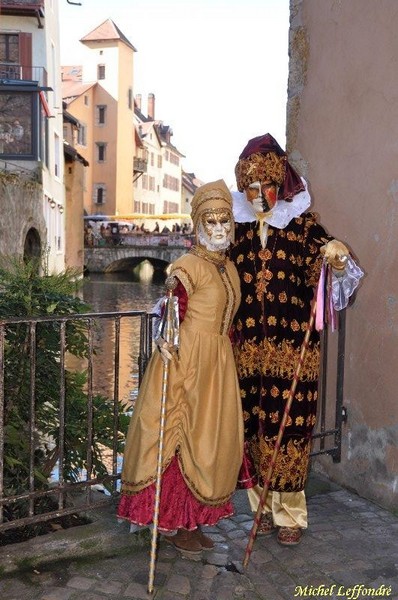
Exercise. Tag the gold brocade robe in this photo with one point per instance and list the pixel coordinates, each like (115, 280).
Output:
(204, 424)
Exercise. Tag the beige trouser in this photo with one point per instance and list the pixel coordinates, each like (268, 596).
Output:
(289, 509)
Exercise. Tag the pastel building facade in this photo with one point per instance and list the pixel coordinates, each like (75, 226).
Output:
(31, 133)
(99, 93)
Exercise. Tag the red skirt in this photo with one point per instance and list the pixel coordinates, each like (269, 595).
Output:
(179, 509)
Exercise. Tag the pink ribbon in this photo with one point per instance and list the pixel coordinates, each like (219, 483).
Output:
(320, 299)
(324, 300)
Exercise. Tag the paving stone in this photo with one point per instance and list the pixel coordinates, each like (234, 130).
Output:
(81, 583)
(349, 541)
(57, 594)
(217, 558)
(109, 587)
(209, 571)
(179, 584)
(137, 591)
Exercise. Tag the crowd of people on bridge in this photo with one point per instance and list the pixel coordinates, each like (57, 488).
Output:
(97, 233)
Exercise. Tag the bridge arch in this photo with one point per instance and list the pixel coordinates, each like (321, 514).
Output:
(101, 259)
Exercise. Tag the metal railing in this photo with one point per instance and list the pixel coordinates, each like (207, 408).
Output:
(14, 72)
(60, 488)
(327, 439)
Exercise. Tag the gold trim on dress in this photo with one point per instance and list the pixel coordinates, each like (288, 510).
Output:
(185, 278)
(217, 258)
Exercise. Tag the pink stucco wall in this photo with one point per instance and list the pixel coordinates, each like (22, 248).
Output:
(342, 134)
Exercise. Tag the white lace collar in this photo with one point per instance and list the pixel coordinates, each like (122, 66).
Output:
(280, 216)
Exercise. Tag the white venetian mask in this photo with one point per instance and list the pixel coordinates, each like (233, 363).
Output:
(214, 229)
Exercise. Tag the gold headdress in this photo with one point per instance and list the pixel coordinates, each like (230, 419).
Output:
(212, 196)
(260, 167)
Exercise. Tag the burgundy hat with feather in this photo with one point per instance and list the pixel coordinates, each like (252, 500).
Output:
(263, 159)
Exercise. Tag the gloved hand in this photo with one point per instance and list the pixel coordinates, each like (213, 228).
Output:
(336, 254)
(166, 350)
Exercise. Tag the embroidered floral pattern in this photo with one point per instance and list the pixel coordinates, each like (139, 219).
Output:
(277, 288)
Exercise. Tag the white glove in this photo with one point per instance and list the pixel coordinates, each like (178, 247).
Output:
(336, 254)
(166, 350)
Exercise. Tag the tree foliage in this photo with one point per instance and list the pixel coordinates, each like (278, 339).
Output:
(32, 393)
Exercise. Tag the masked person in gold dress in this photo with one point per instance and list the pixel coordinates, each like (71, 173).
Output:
(278, 250)
(203, 437)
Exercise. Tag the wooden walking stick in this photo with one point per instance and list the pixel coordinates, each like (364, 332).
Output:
(267, 481)
(169, 332)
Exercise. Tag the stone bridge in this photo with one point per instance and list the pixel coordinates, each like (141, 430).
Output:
(108, 259)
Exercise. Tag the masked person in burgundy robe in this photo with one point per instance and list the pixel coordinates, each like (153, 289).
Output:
(278, 251)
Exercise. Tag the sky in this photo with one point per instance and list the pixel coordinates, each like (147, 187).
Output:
(218, 69)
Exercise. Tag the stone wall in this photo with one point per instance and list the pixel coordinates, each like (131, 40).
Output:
(21, 202)
(342, 134)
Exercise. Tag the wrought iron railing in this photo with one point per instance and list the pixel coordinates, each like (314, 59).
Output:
(100, 327)
(15, 72)
(59, 487)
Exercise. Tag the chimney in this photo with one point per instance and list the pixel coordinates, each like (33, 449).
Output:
(138, 100)
(151, 107)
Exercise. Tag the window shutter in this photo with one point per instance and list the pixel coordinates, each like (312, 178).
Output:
(25, 54)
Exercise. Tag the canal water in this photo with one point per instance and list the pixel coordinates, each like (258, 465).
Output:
(125, 291)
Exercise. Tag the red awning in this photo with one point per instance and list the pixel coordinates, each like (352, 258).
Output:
(45, 106)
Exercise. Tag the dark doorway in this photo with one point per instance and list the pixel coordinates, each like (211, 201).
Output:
(32, 246)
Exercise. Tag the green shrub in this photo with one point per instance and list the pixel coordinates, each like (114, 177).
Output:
(25, 292)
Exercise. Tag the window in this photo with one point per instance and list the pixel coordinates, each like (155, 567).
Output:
(57, 165)
(152, 184)
(99, 193)
(44, 138)
(130, 98)
(85, 100)
(159, 161)
(101, 151)
(100, 71)
(9, 48)
(82, 135)
(170, 207)
(19, 125)
(174, 159)
(58, 238)
(54, 70)
(16, 56)
(145, 182)
(171, 183)
(152, 159)
(101, 114)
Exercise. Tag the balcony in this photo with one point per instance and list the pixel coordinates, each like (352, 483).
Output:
(13, 72)
(140, 166)
(23, 8)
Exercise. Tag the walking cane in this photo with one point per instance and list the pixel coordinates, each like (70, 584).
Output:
(267, 481)
(168, 330)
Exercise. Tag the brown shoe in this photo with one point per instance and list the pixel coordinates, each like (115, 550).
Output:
(205, 541)
(185, 541)
(289, 536)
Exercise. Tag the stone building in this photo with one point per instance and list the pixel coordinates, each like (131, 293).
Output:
(31, 148)
(342, 132)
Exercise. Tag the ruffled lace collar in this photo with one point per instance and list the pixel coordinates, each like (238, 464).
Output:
(282, 213)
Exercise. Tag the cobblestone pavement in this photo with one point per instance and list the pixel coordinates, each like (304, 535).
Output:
(349, 552)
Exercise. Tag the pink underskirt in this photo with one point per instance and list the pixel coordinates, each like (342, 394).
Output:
(178, 506)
